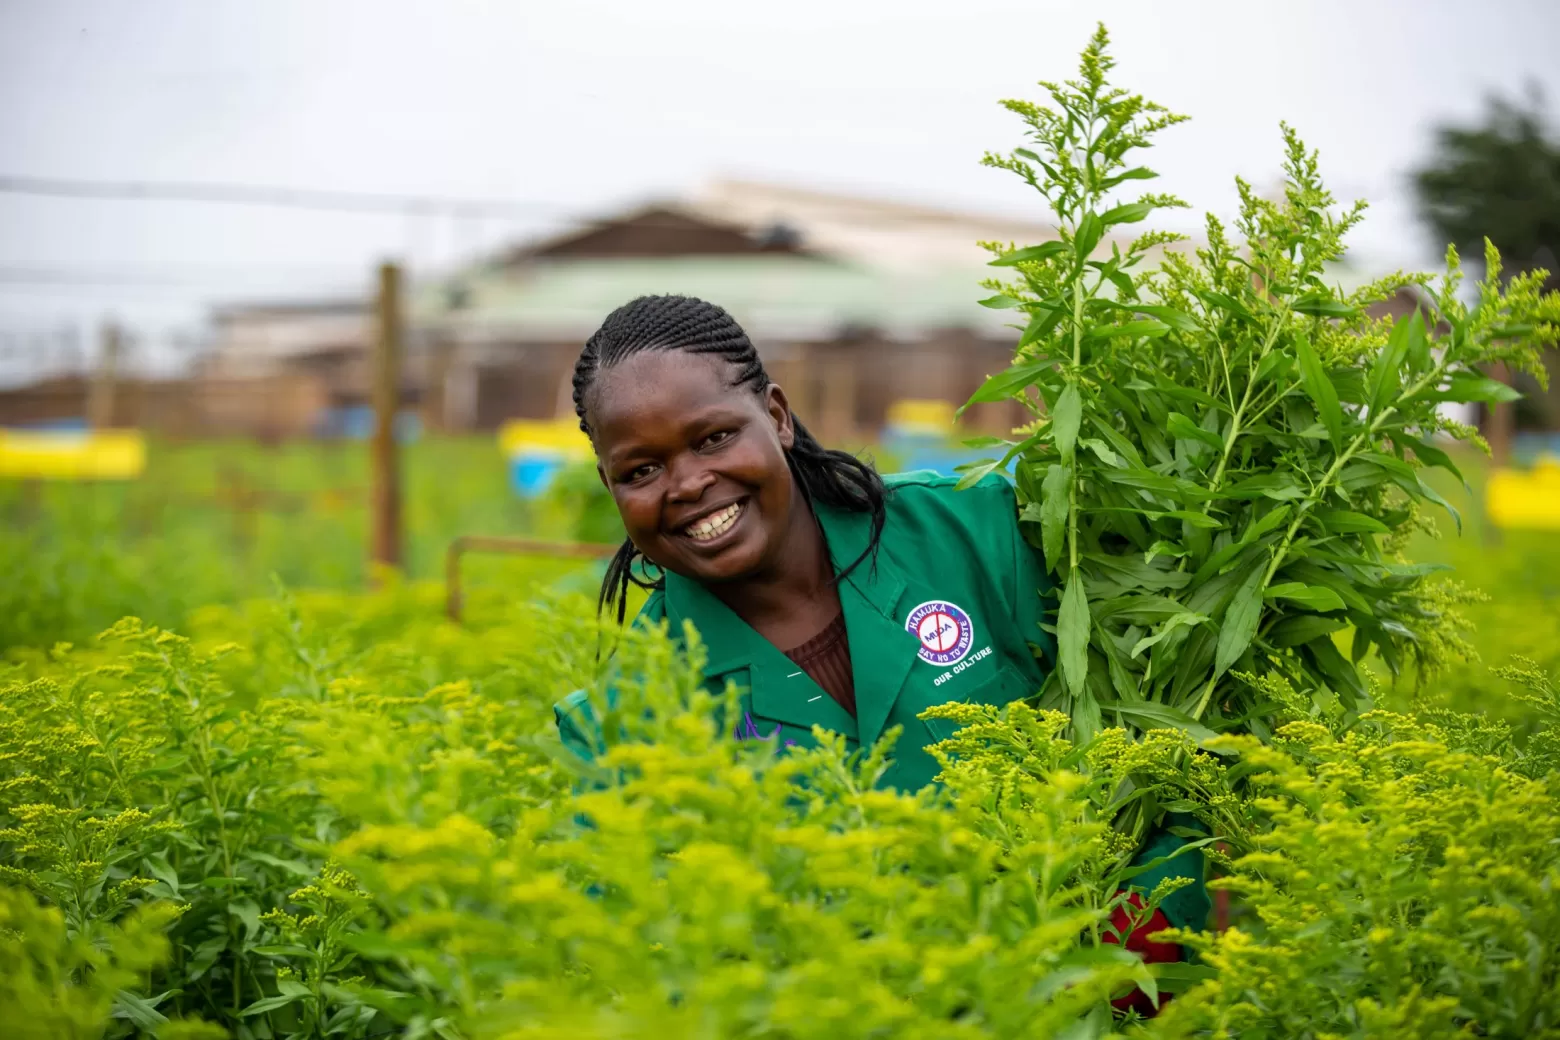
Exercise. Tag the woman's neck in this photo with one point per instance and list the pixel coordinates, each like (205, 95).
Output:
(795, 599)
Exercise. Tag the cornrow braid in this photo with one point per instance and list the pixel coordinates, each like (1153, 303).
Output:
(835, 478)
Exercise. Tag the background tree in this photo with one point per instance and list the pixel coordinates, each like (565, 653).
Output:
(1500, 179)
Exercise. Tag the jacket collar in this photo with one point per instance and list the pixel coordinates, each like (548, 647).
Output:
(882, 652)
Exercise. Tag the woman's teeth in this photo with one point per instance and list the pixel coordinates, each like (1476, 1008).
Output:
(716, 524)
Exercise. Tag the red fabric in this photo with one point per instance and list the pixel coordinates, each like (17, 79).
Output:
(1151, 952)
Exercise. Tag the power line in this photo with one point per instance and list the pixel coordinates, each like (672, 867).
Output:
(267, 195)
(169, 277)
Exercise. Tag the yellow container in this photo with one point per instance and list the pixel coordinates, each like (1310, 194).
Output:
(1525, 499)
(560, 437)
(921, 416)
(54, 455)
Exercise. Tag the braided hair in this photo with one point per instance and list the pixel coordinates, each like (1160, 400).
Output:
(835, 478)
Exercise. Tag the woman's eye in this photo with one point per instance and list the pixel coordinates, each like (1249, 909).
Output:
(638, 473)
(718, 437)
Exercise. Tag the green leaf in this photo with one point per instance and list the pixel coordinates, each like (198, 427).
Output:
(1240, 622)
(1161, 716)
(1064, 422)
(1041, 322)
(1178, 976)
(265, 1004)
(135, 1009)
(1275, 365)
(1186, 617)
(1148, 480)
(1072, 633)
(1178, 320)
(1031, 254)
(1280, 487)
(1343, 677)
(1393, 465)
(1320, 390)
(1467, 388)
(1128, 213)
(1139, 173)
(1418, 351)
(1316, 597)
(281, 951)
(1053, 513)
(973, 473)
(1268, 522)
(1202, 520)
(157, 865)
(1000, 302)
(1123, 283)
(1342, 521)
(1090, 228)
(1429, 454)
(1182, 427)
(1148, 329)
(1005, 384)
(1225, 302)
(1302, 628)
(1386, 371)
(1319, 305)
(1101, 450)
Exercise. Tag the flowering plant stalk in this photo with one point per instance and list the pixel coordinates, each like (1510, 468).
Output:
(1228, 450)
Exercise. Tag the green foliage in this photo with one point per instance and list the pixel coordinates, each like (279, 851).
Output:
(706, 885)
(1399, 887)
(341, 815)
(1228, 452)
(157, 769)
(216, 522)
(62, 984)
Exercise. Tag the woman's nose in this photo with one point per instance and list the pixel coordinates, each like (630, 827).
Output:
(689, 481)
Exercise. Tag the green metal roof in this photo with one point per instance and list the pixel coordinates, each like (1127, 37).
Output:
(784, 296)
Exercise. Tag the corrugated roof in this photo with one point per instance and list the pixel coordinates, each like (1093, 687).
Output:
(785, 297)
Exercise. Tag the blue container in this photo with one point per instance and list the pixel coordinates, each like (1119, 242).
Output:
(917, 451)
(71, 425)
(356, 423)
(532, 475)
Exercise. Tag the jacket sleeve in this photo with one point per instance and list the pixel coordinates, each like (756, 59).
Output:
(577, 725)
(1187, 907)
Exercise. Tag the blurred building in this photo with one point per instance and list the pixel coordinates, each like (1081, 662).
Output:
(854, 303)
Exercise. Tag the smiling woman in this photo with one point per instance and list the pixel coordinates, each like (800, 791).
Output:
(830, 596)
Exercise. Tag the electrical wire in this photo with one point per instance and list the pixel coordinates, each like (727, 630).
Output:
(267, 195)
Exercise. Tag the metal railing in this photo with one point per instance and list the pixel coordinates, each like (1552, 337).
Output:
(478, 543)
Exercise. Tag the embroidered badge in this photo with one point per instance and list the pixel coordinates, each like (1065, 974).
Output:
(945, 631)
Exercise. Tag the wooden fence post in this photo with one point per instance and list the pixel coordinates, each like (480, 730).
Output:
(386, 478)
(1500, 421)
(100, 391)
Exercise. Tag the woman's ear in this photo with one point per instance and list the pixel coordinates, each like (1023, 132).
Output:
(779, 410)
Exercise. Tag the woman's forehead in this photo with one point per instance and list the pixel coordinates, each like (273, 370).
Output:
(655, 386)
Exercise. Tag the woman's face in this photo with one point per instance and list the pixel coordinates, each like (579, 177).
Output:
(697, 466)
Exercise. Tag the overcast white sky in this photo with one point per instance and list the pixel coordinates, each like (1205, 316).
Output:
(585, 104)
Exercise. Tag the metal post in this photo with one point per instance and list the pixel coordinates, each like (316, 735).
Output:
(454, 596)
(386, 479)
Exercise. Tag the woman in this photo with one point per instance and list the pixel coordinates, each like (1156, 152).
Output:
(830, 595)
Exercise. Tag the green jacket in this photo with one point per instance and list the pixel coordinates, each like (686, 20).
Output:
(949, 611)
